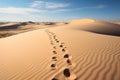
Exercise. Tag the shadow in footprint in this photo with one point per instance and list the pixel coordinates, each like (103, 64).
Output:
(54, 58)
(63, 50)
(54, 52)
(69, 62)
(66, 72)
(57, 41)
(61, 46)
(53, 66)
(54, 47)
(66, 56)
(70, 76)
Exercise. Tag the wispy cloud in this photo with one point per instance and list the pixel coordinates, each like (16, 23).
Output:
(81, 8)
(15, 10)
(36, 4)
(56, 5)
(92, 7)
(56, 8)
(49, 5)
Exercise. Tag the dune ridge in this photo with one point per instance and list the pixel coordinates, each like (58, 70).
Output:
(82, 21)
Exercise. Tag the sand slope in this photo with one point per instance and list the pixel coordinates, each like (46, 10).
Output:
(96, 26)
(11, 28)
(82, 21)
(29, 56)
(117, 23)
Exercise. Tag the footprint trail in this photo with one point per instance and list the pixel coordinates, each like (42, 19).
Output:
(60, 52)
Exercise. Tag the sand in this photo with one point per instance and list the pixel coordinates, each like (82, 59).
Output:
(41, 54)
(12, 28)
(117, 23)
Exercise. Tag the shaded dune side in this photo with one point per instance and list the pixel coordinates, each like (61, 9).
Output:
(100, 27)
(13, 26)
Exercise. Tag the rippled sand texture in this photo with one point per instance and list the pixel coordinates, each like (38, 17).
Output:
(92, 55)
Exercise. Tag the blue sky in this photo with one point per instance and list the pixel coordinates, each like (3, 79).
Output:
(59, 10)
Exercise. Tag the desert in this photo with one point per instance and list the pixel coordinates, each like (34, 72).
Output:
(85, 49)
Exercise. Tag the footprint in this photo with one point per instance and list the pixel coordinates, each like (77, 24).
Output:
(66, 72)
(69, 62)
(54, 52)
(57, 41)
(63, 50)
(61, 46)
(66, 56)
(54, 47)
(69, 75)
(54, 58)
(53, 66)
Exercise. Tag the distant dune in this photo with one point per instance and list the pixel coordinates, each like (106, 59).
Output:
(96, 26)
(79, 50)
(82, 21)
(12, 28)
(117, 23)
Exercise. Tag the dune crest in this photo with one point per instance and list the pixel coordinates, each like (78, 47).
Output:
(82, 21)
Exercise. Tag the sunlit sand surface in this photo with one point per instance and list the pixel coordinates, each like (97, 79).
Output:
(80, 50)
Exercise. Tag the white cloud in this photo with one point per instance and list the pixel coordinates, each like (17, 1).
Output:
(56, 5)
(66, 10)
(37, 4)
(30, 17)
(49, 5)
(14, 10)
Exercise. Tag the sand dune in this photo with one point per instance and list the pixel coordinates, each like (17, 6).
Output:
(7, 23)
(11, 28)
(82, 21)
(117, 23)
(79, 54)
(96, 26)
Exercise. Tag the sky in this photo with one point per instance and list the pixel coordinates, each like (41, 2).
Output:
(58, 10)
